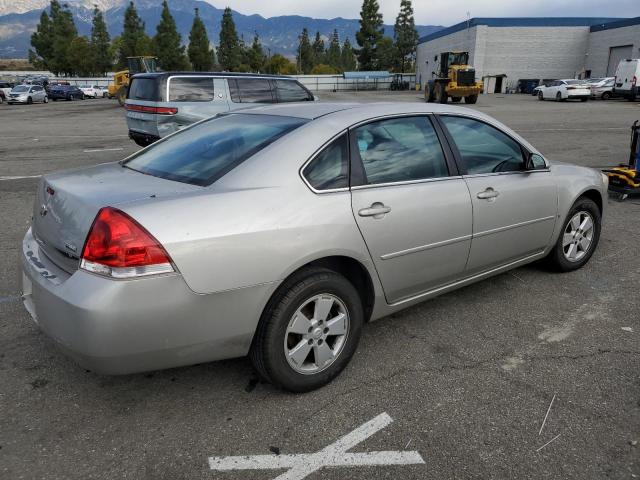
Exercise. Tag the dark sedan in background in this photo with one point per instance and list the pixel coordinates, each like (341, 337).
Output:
(65, 92)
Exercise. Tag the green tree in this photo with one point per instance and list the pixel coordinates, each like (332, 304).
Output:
(280, 65)
(370, 33)
(100, 43)
(229, 54)
(255, 55)
(305, 53)
(41, 55)
(406, 35)
(64, 32)
(133, 40)
(333, 52)
(201, 55)
(347, 57)
(322, 69)
(168, 43)
(387, 54)
(80, 55)
(318, 50)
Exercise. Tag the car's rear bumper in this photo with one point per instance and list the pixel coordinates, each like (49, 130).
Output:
(118, 327)
(142, 138)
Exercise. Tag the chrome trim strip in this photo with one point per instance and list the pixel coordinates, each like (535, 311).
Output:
(467, 279)
(517, 172)
(408, 182)
(443, 243)
(515, 225)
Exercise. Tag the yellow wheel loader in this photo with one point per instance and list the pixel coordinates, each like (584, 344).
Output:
(455, 79)
(120, 84)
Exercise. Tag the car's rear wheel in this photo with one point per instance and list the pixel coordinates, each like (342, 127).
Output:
(606, 95)
(579, 237)
(309, 330)
(558, 97)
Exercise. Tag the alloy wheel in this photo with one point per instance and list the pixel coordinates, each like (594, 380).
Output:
(316, 334)
(578, 236)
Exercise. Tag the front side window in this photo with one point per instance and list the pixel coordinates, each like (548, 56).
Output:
(250, 90)
(400, 150)
(205, 152)
(483, 148)
(291, 91)
(191, 89)
(330, 168)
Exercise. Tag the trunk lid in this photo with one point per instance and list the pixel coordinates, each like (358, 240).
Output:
(67, 203)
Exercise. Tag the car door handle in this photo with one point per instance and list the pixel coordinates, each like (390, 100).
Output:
(376, 210)
(488, 194)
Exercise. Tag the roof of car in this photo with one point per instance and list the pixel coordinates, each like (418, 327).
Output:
(313, 110)
(212, 74)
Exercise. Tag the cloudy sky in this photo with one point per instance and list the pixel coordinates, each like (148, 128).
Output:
(439, 12)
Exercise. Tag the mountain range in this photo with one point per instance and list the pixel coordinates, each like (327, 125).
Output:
(18, 19)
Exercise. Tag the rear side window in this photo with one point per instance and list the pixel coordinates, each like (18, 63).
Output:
(291, 91)
(483, 148)
(400, 150)
(330, 168)
(144, 89)
(205, 152)
(250, 90)
(191, 89)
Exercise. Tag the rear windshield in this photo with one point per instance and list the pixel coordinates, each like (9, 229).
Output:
(144, 89)
(205, 152)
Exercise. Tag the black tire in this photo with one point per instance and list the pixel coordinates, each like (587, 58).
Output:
(267, 350)
(471, 99)
(70, 98)
(540, 96)
(440, 93)
(29, 101)
(606, 95)
(556, 258)
(456, 99)
(428, 93)
(122, 95)
(558, 97)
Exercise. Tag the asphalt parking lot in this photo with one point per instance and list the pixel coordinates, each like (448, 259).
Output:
(468, 378)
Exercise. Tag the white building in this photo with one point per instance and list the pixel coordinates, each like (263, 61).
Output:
(505, 51)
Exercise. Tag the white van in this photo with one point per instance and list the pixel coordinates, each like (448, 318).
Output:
(627, 76)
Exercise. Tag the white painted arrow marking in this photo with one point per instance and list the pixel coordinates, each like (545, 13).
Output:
(335, 455)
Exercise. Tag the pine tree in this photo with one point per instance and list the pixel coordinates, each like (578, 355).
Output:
(229, 49)
(256, 55)
(201, 54)
(80, 55)
(388, 58)
(369, 35)
(318, 50)
(41, 55)
(333, 52)
(133, 37)
(63, 33)
(100, 43)
(167, 42)
(305, 53)
(406, 35)
(348, 57)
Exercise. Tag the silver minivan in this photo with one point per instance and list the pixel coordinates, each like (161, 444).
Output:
(159, 104)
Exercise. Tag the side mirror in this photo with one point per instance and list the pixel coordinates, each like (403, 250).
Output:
(535, 162)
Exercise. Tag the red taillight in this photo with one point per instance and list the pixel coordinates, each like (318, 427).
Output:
(118, 246)
(146, 109)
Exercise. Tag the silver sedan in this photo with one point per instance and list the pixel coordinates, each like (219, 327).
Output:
(278, 232)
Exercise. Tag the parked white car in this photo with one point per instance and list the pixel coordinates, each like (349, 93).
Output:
(89, 91)
(569, 89)
(603, 89)
(626, 80)
(101, 90)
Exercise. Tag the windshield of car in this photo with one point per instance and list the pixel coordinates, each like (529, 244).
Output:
(205, 152)
(21, 88)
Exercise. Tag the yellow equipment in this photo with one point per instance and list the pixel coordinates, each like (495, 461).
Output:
(118, 88)
(455, 79)
(625, 179)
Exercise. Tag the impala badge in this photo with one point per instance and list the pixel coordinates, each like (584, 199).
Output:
(43, 210)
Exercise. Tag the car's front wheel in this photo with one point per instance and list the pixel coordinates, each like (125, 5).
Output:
(309, 330)
(579, 237)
